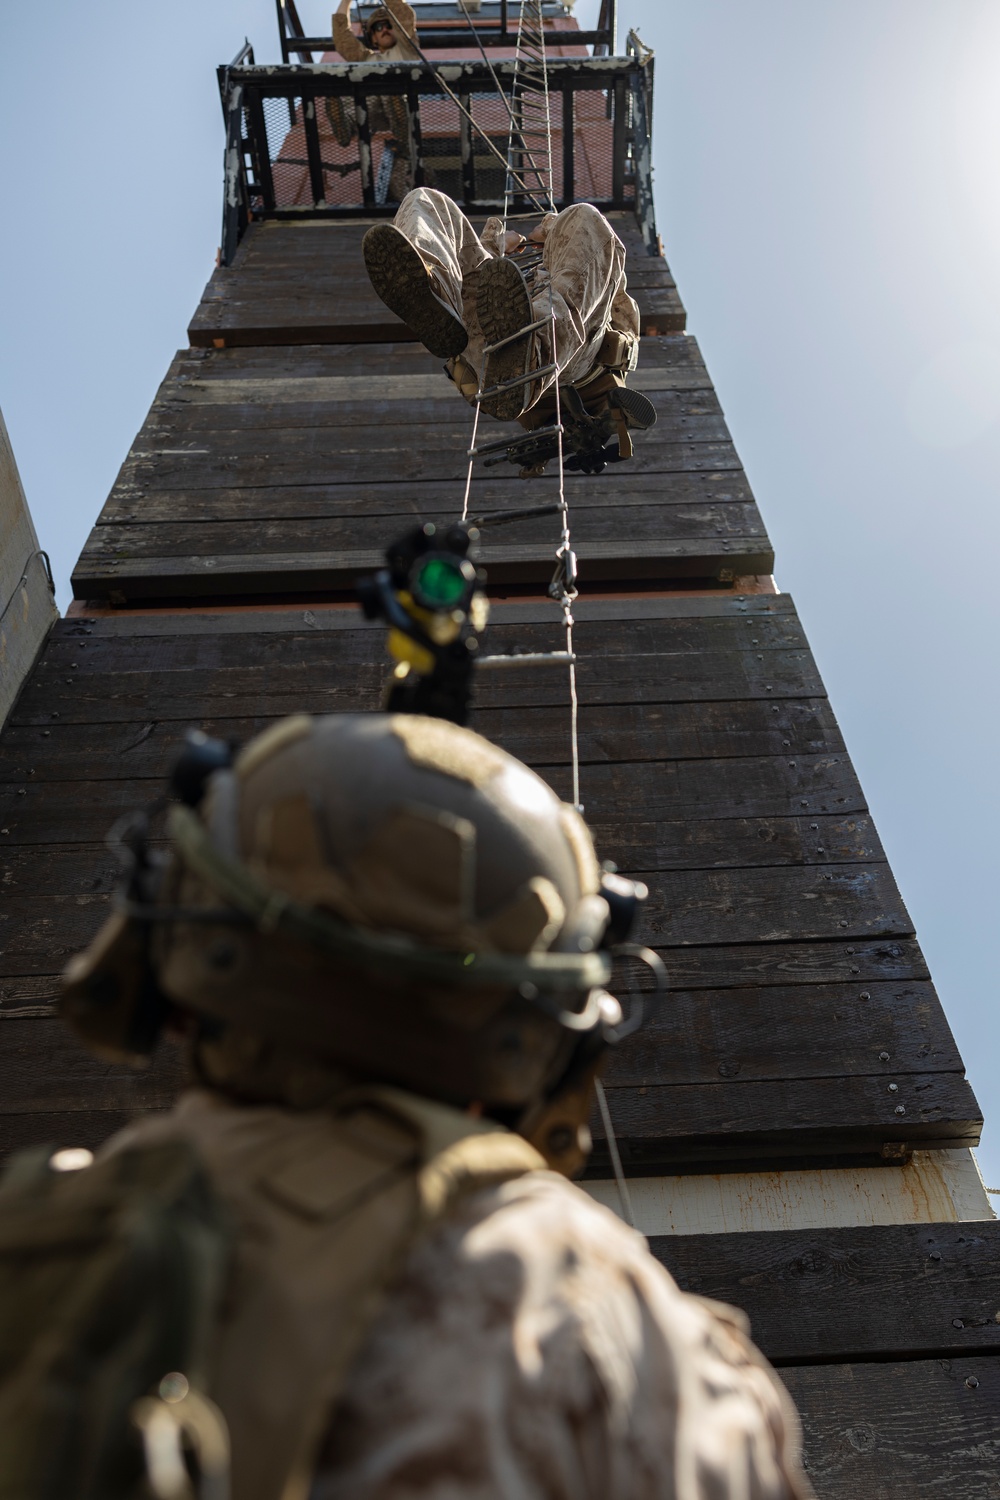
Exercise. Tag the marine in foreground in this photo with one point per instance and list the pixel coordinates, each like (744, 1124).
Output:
(385, 944)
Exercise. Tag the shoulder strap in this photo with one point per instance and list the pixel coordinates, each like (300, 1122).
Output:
(109, 1281)
(460, 1154)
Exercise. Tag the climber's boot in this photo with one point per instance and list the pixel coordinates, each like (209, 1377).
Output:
(401, 279)
(504, 305)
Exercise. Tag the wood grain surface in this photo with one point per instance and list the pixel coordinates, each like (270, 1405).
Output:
(801, 1016)
(287, 469)
(914, 1430)
(307, 284)
(824, 1295)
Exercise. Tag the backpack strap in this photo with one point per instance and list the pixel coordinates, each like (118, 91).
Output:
(325, 1205)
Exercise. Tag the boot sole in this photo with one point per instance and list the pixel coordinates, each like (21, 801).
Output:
(400, 279)
(505, 306)
(638, 409)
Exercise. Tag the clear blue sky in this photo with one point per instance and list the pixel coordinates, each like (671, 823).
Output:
(828, 189)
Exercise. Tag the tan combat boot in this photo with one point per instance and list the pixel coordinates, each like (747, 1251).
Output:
(401, 279)
(504, 305)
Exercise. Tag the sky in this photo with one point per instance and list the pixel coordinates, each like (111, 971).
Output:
(828, 192)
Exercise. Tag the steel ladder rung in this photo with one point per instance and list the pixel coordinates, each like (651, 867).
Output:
(520, 334)
(529, 659)
(509, 385)
(502, 444)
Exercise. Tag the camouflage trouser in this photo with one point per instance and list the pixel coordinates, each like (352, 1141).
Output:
(579, 285)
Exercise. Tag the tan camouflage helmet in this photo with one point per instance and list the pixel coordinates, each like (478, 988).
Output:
(395, 896)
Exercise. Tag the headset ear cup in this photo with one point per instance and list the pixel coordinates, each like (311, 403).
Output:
(109, 995)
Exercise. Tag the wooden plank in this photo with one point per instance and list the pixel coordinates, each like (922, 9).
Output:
(788, 1031)
(735, 843)
(54, 900)
(44, 1069)
(683, 909)
(40, 812)
(331, 456)
(783, 905)
(658, 624)
(593, 530)
(391, 505)
(675, 353)
(752, 1033)
(319, 686)
(84, 872)
(304, 282)
(278, 243)
(335, 615)
(751, 667)
(661, 1129)
(290, 286)
(330, 318)
(239, 418)
(96, 749)
(76, 1127)
(259, 575)
(882, 1292)
(336, 638)
(751, 964)
(921, 1429)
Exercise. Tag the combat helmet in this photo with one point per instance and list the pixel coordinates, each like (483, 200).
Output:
(369, 897)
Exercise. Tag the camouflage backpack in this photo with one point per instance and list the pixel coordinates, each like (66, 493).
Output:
(110, 1279)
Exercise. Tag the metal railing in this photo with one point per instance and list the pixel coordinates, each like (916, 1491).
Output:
(492, 27)
(346, 140)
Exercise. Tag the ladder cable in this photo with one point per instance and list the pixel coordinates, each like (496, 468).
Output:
(493, 72)
(446, 86)
(531, 117)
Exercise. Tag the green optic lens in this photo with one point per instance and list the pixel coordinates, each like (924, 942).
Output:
(441, 582)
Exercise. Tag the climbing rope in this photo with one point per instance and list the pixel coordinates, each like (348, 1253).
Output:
(529, 160)
(529, 149)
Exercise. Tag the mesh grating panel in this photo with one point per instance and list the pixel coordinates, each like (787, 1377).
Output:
(352, 149)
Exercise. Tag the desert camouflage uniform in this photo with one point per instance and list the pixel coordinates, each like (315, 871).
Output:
(583, 261)
(533, 1350)
(387, 113)
(525, 1346)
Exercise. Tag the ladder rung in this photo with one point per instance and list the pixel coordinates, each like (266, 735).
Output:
(509, 385)
(504, 443)
(529, 659)
(513, 337)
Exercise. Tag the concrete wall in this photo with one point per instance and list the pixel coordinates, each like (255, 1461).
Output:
(26, 602)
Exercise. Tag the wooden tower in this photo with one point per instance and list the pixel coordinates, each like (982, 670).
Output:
(794, 1120)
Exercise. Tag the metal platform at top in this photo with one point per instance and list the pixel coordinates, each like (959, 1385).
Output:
(319, 140)
(446, 27)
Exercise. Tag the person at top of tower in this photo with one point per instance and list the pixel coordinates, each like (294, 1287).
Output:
(556, 298)
(387, 34)
(385, 941)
